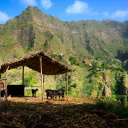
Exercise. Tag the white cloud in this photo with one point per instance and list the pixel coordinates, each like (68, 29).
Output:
(78, 7)
(120, 14)
(3, 17)
(105, 14)
(29, 2)
(46, 4)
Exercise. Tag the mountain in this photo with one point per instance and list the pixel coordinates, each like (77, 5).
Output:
(105, 42)
(33, 30)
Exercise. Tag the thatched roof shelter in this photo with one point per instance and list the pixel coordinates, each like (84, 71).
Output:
(38, 61)
(50, 66)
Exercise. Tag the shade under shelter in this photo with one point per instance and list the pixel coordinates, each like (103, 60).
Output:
(38, 61)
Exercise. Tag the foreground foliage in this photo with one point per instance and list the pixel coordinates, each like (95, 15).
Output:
(114, 107)
(76, 112)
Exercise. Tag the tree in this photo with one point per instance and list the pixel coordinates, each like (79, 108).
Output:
(72, 60)
(94, 65)
(121, 89)
(120, 85)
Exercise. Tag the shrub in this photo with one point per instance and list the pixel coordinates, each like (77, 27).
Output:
(29, 79)
(112, 106)
(73, 60)
(61, 85)
(74, 85)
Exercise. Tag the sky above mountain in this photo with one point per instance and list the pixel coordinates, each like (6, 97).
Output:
(68, 10)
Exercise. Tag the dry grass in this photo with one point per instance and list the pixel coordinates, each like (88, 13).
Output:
(71, 100)
(29, 112)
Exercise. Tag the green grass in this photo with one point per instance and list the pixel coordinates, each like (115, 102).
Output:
(114, 107)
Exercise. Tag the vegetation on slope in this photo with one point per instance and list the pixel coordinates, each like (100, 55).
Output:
(34, 30)
(103, 43)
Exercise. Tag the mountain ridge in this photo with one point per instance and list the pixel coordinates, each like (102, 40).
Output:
(34, 30)
(79, 44)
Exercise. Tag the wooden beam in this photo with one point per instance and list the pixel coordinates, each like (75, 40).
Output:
(55, 80)
(0, 86)
(6, 89)
(0, 93)
(67, 87)
(42, 83)
(55, 77)
(22, 75)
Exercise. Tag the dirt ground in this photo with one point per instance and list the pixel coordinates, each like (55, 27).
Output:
(30, 112)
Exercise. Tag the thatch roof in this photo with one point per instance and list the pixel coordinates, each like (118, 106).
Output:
(50, 66)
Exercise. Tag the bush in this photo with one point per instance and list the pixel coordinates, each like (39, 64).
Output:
(121, 69)
(29, 79)
(112, 106)
(61, 85)
(74, 85)
(73, 60)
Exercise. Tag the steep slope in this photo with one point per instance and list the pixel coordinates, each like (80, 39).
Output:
(33, 30)
(70, 42)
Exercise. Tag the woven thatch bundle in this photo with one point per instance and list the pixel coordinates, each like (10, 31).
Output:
(50, 66)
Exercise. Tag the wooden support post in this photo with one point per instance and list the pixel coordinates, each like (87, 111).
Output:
(42, 83)
(55, 80)
(67, 87)
(22, 75)
(6, 89)
(0, 88)
(0, 91)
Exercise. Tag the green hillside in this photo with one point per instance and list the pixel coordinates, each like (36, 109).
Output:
(103, 43)
(33, 31)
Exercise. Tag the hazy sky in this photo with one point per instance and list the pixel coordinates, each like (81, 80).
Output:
(68, 10)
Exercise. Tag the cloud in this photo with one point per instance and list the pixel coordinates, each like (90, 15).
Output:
(29, 2)
(78, 7)
(46, 4)
(120, 14)
(105, 14)
(3, 17)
